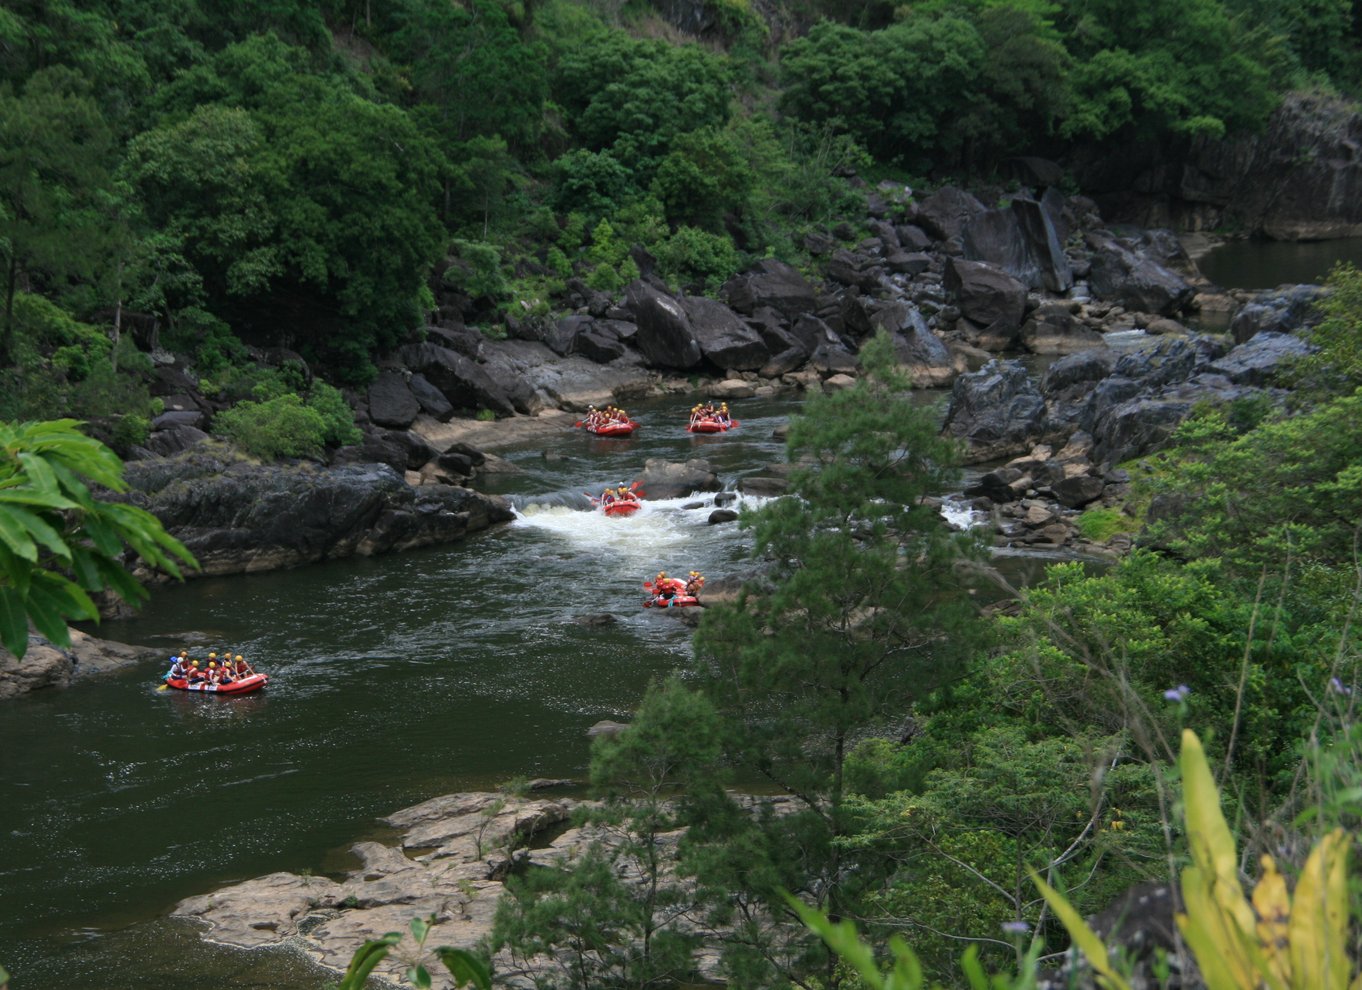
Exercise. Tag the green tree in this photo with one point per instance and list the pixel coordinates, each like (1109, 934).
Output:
(470, 63)
(58, 542)
(266, 199)
(54, 154)
(858, 611)
(1167, 67)
(1336, 365)
(619, 915)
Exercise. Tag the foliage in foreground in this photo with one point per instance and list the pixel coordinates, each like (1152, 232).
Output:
(466, 968)
(58, 541)
(1274, 938)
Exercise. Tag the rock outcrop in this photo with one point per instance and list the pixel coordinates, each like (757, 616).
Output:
(237, 516)
(46, 665)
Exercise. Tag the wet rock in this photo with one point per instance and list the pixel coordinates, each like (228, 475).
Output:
(997, 410)
(1262, 360)
(1134, 280)
(1022, 241)
(1282, 311)
(668, 479)
(241, 517)
(722, 516)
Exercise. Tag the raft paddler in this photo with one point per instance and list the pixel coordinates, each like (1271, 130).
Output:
(241, 667)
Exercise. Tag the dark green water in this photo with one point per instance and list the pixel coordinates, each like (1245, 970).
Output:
(1268, 264)
(393, 680)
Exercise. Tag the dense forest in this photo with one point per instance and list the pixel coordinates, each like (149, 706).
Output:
(323, 177)
(326, 178)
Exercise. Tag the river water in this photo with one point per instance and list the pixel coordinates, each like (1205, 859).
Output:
(394, 679)
(1268, 264)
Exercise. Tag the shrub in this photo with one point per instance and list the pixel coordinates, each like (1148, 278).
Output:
(279, 427)
(338, 420)
(695, 258)
(1100, 525)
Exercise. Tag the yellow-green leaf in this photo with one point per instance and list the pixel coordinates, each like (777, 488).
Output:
(1092, 947)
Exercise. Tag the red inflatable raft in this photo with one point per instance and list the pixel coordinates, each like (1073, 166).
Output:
(625, 508)
(244, 685)
(668, 593)
(614, 428)
(711, 425)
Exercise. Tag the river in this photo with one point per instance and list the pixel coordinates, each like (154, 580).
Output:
(394, 679)
(1268, 264)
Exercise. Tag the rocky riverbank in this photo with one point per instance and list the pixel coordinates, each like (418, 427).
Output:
(965, 283)
(448, 861)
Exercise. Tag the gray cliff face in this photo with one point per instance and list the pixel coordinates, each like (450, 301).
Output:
(236, 516)
(1300, 179)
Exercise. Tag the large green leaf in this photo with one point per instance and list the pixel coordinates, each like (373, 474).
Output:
(41, 531)
(13, 622)
(366, 957)
(465, 967)
(16, 538)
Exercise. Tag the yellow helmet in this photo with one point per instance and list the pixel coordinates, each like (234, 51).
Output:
(212, 656)
(238, 658)
(194, 663)
(212, 663)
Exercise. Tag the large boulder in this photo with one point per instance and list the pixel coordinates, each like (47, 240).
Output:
(986, 296)
(573, 382)
(944, 213)
(770, 283)
(726, 340)
(665, 336)
(1079, 369)
(431, 400)
(236, 516)
(1134, 280)
(1170, 361)
(927, 360)
(462, 381)
(1022, 241)
(391, 402)
(852, 268)
(668, 479)
(1282, 311)
(604, 340)
(997, 410)
(1262, 360)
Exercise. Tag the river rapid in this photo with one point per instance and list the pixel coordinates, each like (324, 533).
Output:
(393, 680)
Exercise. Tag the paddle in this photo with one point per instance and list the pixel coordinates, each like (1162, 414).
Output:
(164, 687)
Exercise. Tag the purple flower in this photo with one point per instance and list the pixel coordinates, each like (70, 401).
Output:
(1178, 693)
(1016, 927)
(1338, 687)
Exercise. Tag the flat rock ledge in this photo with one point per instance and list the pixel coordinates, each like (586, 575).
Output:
(46, 665)
(450, 862)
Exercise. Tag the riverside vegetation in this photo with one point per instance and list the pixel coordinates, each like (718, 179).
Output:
(316, 177)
